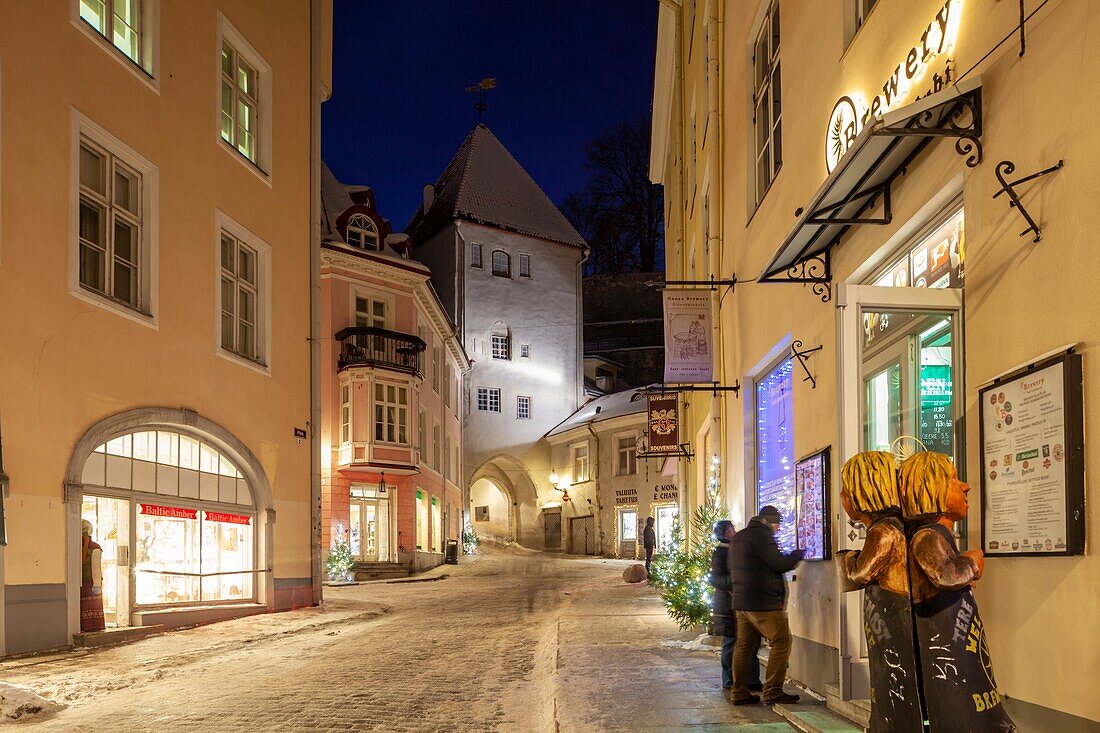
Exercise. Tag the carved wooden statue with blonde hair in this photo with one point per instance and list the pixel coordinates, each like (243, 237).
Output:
(870, 495)
(960, 691)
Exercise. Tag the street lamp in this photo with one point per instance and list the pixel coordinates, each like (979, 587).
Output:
(554, 478)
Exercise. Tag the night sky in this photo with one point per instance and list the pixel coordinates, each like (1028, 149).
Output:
(566, 71)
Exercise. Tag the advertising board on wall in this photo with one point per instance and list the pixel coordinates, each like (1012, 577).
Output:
(688, 348)
(811, 505)
(1033, 473)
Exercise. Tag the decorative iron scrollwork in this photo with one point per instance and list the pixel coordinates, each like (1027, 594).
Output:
(815, 272)
(1007, 168)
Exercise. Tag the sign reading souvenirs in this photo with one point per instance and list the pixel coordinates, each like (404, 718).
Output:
(1033, 472)
(687, 337)
(811, 480)
(663, 427)
(172, 512)
(851, 115)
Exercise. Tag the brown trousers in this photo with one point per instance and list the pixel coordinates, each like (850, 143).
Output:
(751, 626)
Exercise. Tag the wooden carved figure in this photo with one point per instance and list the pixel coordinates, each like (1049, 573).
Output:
(870, 496)
(960, 691)
(91, 580)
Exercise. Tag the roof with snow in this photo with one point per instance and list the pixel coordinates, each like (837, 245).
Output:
(617, 404)
(484, 184)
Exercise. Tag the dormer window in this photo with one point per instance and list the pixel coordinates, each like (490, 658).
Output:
(362, 233)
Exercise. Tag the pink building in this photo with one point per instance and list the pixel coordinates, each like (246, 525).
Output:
(391, 391)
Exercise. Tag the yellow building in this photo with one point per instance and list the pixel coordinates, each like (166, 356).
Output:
(158, 263)
(863, 150)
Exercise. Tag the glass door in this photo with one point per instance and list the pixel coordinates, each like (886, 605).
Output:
(663, 521)
(110, 520)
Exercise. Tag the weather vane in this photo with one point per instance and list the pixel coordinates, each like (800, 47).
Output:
(480, 88)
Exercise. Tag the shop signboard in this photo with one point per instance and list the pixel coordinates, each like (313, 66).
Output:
(811, 505)
(228, 518)
(666, 492)
(688, 334)
(171, 512)
(663, 427)
(1033, 472)
(626, 496)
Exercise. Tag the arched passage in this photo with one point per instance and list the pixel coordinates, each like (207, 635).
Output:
(510, 479)
(492, 513)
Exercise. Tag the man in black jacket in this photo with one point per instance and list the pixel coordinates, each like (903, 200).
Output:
(723, 620)
(759, 597)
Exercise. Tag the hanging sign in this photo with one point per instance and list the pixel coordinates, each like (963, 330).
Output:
(1033, 469)
(228, 518)
(851, 115)
(664, 424)
(688, 337)
(154, 510)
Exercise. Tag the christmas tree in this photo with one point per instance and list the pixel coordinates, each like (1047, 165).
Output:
(680, 573)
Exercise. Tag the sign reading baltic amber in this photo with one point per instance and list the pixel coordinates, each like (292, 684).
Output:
(172, 512)
(664, 424)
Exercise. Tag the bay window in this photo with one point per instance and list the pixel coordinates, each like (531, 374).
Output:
(391, 413)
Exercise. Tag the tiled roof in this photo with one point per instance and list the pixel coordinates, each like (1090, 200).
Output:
(484, 184)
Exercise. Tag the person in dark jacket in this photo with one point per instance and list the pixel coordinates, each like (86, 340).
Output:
(723, 620)
(649, 542)
(759, 597)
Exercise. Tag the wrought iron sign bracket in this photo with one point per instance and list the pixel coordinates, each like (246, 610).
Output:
(952, 124)
(801, 356)
(1007, 168)
(710, 284)
(713, 388)
(815, 271)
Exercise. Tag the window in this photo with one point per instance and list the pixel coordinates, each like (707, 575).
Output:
(580, 463)
(446, 385)
(110, 227)
(933, 260)
(481, 514)
(524, 264)
(523, 407)
(475, 255)
(436, 358)
(362, 233)
(501, 347)
(447, 456)
(774, 446)
(239, 297)
(391, 413)
(345, 413)
(370, 312)
(488, 399)
(437, 526)
(767, 111)
(122, 24)
(627, 450)
(628, 525)
(421, 521)
(244, 93)
(863, 9)
(502, 263)
(525, 350)
(436, 457)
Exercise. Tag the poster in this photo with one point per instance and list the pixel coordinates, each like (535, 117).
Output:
(1032, 461)
(663, 426)
(688, 352)
(811, 481)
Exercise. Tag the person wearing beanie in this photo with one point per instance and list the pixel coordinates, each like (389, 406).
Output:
(723, 620)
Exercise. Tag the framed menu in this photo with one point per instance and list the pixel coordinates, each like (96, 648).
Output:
(811, 510)
(1033, 468)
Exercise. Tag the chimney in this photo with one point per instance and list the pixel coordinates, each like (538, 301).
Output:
(429, 196)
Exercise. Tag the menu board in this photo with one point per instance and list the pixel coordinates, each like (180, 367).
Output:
(937, 421)
(811, 491)
(1032, 433)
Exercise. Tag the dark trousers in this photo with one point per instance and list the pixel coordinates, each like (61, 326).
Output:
(728, 643)
(751, 626)
(648, 558)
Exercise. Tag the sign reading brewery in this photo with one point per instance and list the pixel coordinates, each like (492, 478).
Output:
(663, 428)
(851, 115)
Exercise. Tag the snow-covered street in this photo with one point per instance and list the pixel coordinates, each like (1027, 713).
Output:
(510, 641)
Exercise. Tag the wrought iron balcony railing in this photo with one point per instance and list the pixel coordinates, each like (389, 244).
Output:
(377, 347)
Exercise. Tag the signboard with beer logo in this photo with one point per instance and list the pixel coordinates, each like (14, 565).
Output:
(663, 428)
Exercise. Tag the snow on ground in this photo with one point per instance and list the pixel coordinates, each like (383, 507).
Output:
(22, 703)
(513, 641)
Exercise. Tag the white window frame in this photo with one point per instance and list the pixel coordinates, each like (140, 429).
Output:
(629, 453)
(582, 462)
(523, 407)
(400, 411)
(475, 255)
(261, 167)
(224, 223)
(371, 297)
(148, 245)
(437, 357)
(147, 69)
(491, 399)
(364, 232)
(772, 64)
(525, 351)
(525, 265)
(436, 457)
(422, 435)
(507, 260)
(346, 392)
(500, 346)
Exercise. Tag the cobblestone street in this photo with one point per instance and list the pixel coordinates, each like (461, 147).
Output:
(510, 641)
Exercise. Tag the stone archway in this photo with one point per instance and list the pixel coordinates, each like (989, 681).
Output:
(492, 510)
(512, 480)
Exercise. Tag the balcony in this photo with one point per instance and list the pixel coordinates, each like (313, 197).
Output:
(376, 347)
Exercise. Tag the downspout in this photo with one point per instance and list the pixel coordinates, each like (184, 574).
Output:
(596, 479)
(315, 62)
(586, 253)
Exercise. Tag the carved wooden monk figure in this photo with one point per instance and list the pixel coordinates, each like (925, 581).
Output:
(870, 496)
(960, 691)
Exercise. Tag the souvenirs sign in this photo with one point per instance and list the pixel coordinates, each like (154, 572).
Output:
(1033, 472)
(688, 337)
(663, 427)
(811, 482)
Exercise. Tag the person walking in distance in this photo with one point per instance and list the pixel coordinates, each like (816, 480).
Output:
(649, 542)
(759, 598)
(723, 620)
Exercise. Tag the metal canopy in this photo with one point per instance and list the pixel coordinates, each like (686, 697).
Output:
(878, 155)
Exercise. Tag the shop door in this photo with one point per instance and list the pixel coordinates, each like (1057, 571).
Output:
(369, 519)
(110, 519)
(628, 533)
(552, 530)
(899, 361)
(664, 517)
(582, 535)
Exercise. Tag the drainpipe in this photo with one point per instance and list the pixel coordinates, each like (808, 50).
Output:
(586, 253)
(596, 480)
(315, 62)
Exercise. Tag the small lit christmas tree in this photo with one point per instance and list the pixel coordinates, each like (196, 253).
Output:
(470, 540)
(680, 573)
(339, 559)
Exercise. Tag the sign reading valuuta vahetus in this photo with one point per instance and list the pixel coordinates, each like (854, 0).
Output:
(850, 115)
(664, 423)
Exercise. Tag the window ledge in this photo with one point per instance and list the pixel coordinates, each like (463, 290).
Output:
(256, 366)
(252, 167)
(116, 53)
(145, 319)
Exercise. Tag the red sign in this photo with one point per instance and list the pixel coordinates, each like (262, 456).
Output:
(153, 510)
(228, 518)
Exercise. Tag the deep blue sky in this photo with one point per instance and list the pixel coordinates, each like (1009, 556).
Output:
(567, 70)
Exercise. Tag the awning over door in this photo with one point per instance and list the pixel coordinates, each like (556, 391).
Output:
(862, 178)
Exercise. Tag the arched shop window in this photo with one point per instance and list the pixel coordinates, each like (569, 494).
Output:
(184, 512)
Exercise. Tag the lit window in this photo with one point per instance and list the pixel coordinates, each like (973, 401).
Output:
(628, 525)
(501, 347)
(525, 350)
(475, 255)
(240, 102)
(345, 413)
(502, 264)
(934, 260)
(488, 399)
(524, 265)
(391, 413)
(580, 463)
(767, 111)
(362, 233)
(240, 298)
(523, 408)
(421, 521)
(627, 455)
(110, 227)
(121, 23)
(437, 526)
